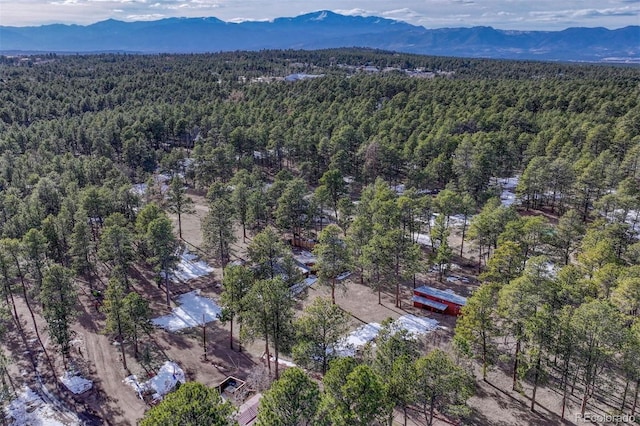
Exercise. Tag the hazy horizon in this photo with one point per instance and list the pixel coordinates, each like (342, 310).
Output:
(543, 15)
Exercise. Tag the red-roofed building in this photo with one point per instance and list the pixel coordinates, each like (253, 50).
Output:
(445, 302)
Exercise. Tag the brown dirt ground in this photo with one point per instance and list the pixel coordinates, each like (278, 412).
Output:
(117, 404)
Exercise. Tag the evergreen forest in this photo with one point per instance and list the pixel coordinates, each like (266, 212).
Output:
(391, 167)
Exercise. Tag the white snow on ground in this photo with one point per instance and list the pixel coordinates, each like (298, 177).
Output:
(551, 269)
(280, 360)
(364, 334)
(510, 182)
(456, 278)
(632, 220)
(415, 325)
(507, 198)
(508, 185)
(459, 220)
(161, 384)
(189, 313)
(423, 239)
(28, 409)
(357, 339)
(139, 189)
(189, 267)
(76, 383)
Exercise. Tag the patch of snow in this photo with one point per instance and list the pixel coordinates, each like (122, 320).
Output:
(76, 383)
(29, 409)
(357, 339)
(189, 313)
(139, 189)
(459, 220)
(132, 381)
(163, 177)
(507, 198)
(551, 269)
(161, 384)
(187, 162)
(280, 360)
(320, 17)
(632, 219)
(423, 239)
(189, 268)
(455, 278)
(302, 76)
(508, 185)
(416, 326)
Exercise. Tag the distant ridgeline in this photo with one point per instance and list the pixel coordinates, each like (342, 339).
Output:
(321, 30)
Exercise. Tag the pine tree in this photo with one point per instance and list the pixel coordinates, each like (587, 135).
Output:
(333, 257)
(117, 316)
(116, 247)
(80, 249)
(163, 246)
(441, 384)
(192, 404)
(291, 400)
(319, 328)
(236, 284)
(217, 225)
(266, 251)
(476, 329)
(58, 298)
(178, 201)
(138, 314)
(270, 316)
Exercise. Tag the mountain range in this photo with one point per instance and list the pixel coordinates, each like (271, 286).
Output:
(324, 29)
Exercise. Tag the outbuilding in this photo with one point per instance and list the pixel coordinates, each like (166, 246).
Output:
(445, 302)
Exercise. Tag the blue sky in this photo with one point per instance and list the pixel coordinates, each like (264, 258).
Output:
(503, 14)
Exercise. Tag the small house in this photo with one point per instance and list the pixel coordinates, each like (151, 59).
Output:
(433, 299)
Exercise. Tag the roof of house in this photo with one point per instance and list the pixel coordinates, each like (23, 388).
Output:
(448, 296)
(431, 303)
(305, 258)
(249, 411)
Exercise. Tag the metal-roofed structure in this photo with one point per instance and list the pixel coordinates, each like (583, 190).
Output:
(446, 302)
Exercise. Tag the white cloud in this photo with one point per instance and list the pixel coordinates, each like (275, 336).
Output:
(147, 17)
(404, 13)
(354, 12)
(68, 3)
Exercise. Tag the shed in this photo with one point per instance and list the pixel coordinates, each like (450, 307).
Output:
(446, 302)
(248, 412)
(232, 388)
